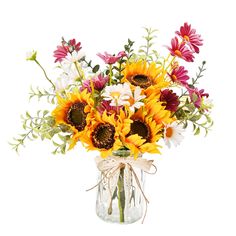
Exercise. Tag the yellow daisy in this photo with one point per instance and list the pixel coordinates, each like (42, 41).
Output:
(103, 134)
(74, 110)
(142, 74)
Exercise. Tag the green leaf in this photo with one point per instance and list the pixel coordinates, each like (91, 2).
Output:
(197, 131)
(96, 68)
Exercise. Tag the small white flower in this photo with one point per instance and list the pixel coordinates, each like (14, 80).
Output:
(134, 101)
(118, 94)
(31, 55)
(75, 56)
(173, 134)
(69, 72)
(61, 84)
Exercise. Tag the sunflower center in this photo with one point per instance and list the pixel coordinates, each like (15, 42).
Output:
(169, 132)
(178, 53)
(141, 128)
(76, 116)
(103, 136)
(141, 80)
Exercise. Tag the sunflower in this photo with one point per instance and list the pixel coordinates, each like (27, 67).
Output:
(157, 111)
(142, 74)
(74, 111)
(141, 133)
(103, 134)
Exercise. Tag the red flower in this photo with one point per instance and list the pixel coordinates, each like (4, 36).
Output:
(66, 47)
(191, 38)
(180, 50)
(179, 75)
(111, 59)
(196, 96)
(170, 100)
(73, 46)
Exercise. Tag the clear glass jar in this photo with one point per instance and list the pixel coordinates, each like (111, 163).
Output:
(119, 197)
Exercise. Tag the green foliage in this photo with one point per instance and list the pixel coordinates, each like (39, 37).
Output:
(42, 125)
(145, 50)
(188, 113)
(129, 48)
(95, 68)
(40, 93)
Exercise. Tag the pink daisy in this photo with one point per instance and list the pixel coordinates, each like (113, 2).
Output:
(66, 47)
(179, 75)
(196, 96)
(189, 35)
(111, 59)
(99, 83)
(180, 50)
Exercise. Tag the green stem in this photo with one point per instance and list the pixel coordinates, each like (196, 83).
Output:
(110, 74)
(45, 74)
(78, 70)
(121, 195)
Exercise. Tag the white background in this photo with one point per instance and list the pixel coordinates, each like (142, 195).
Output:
(193, 192)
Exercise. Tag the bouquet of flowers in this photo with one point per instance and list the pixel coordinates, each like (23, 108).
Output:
(123, 110)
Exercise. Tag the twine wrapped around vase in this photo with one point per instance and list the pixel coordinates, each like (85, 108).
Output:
(115, 168)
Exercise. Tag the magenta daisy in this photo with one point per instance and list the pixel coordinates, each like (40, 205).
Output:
(111, 59)
(179, 75)
(191, 38)
(66, 47)
(180, 50)
(99, 83)
(196, 96)
(170, 100)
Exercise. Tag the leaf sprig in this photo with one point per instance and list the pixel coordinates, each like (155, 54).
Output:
(145, 50)
(42, 93)
(42, 125)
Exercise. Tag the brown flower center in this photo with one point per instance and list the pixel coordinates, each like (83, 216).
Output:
(140, 80)
(76, 116)
(141, 128)
(103, 136)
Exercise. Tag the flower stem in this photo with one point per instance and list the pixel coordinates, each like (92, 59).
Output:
(170, 63)
(110, 74)
(45, 74)
(79, 72)
(121, 195)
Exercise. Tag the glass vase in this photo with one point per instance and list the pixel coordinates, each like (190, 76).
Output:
(120, 191)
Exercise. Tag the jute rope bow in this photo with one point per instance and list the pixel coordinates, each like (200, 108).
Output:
(111, 167)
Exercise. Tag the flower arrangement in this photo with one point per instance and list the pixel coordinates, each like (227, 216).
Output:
(137, 100)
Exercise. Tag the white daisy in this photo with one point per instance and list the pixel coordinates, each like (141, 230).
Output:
(134, 101)
(173, 134)
(69, 71)
(75, 56)
(118, 94)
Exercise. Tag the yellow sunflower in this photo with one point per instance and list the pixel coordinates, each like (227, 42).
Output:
(143, 74)
(157, 111)
(74, 111)
(103, 134)
(141, 133)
